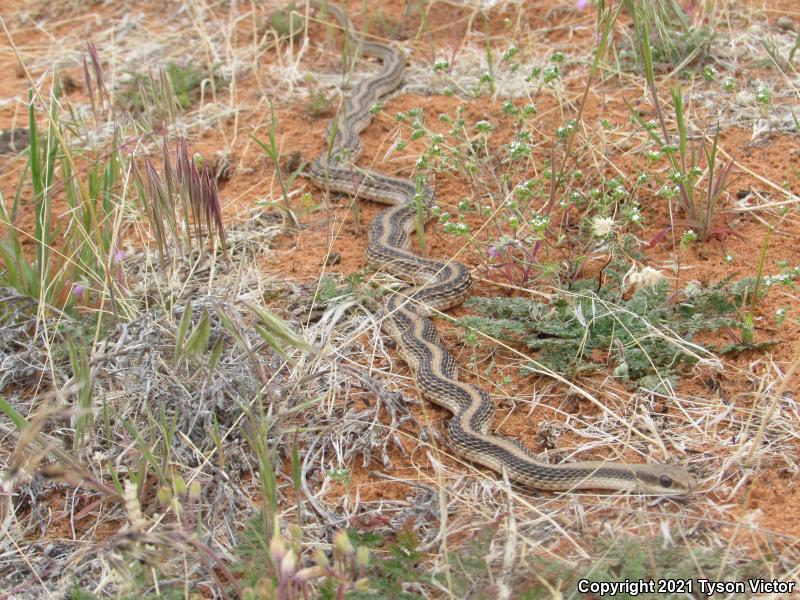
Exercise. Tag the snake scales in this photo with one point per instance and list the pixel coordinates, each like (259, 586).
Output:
(441, 285)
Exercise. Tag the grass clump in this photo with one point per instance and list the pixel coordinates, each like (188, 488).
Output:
(685, 158)
(676, 42)
(182, 203)
(183, 82)
(84, 260)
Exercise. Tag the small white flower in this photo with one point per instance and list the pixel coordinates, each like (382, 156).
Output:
(602, 226)
(647, 277)
(650, 277)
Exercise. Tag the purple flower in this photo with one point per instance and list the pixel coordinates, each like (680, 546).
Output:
(119, 255)
(78, 290)
(492, 251)
(581, 4)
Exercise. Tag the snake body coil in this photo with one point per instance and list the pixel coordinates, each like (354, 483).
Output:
(441, 285)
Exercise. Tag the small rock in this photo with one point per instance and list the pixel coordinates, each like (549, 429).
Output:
(334, 258)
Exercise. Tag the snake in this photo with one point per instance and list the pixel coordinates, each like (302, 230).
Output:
(438, 285)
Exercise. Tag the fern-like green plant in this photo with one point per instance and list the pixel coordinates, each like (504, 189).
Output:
(645, 337)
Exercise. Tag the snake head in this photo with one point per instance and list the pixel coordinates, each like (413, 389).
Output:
(664, 480)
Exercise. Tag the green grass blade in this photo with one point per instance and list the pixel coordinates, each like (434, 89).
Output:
(19, 421)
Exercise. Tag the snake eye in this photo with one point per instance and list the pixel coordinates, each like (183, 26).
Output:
(665, 481)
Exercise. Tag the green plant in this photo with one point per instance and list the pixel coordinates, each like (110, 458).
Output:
(175, 85)
(675, 42)
(399, 566)
(530, 204)
(330, 288)
(748, 316)
(82, 378)
(685, 159)
(286, 22)
(468, 564)
(272, 150)
(42, 277)
(193, 347)
(73, 257)
(318, 103)
(644, 337)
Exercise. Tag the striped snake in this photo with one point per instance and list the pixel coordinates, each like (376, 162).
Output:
(440, 285)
